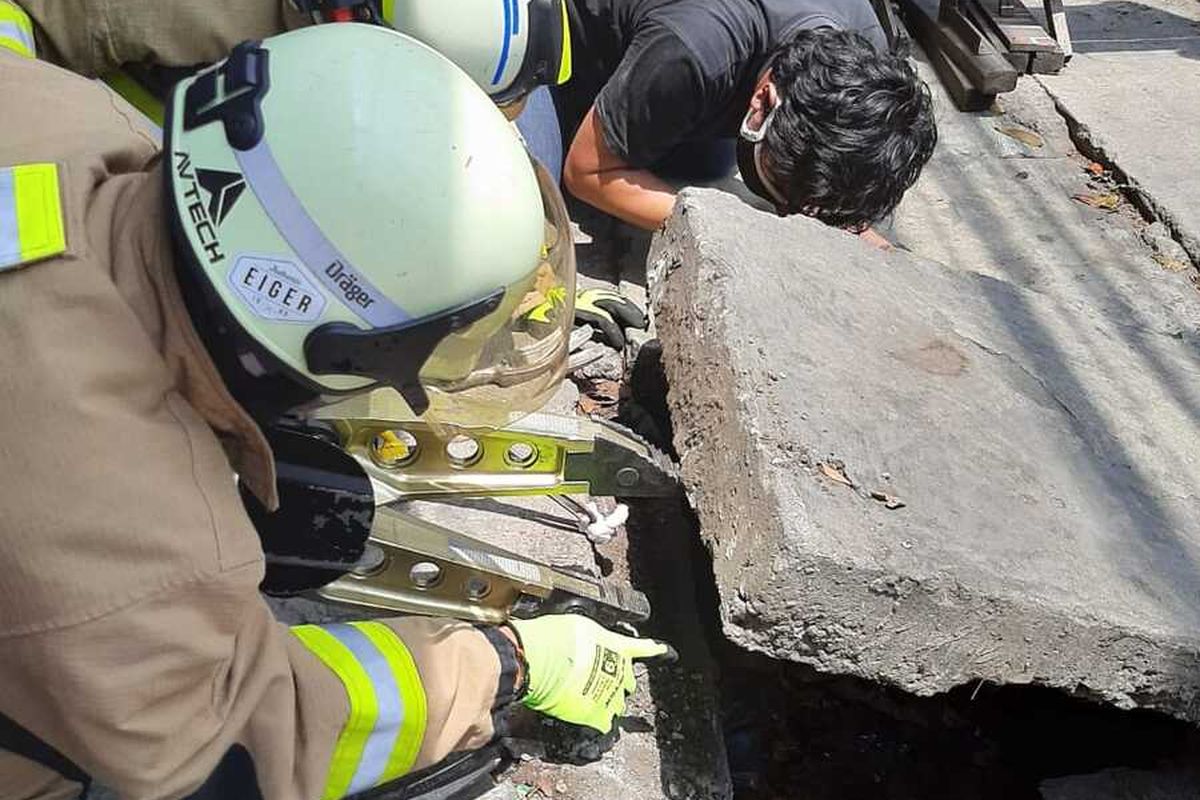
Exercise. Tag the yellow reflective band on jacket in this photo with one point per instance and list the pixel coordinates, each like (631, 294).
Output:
(386, 724)
(138, 96)
(16, 30)
(31, 216)
(564, 66)
(389, 11)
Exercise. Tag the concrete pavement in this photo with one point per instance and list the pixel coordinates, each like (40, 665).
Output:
(1133, 90)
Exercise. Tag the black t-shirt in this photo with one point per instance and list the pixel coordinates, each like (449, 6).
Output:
(664, 72)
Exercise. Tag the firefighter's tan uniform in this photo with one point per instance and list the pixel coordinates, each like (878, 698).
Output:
(94, 37)
(134, 639)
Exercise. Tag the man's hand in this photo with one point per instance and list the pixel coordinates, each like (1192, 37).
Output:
(580, 672)
(873, 238)
(610, 312)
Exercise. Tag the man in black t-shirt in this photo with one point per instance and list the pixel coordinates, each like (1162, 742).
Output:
(826, 121)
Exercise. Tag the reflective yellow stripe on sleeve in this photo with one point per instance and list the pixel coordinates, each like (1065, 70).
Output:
(137, 95)
(31, 216)
(412, 693)
(564, 66)
(385, 727)
(16, 30)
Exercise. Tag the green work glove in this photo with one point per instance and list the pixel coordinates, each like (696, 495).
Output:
(579, 671)
(610, 312)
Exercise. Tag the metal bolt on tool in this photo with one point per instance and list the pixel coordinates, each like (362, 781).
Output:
(425, 574)
(463, 451)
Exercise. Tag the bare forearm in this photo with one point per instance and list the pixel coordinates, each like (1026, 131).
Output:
(636, 196)
(596, 175)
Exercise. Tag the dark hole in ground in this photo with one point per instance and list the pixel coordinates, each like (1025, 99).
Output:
(645, 410)
(791, 732)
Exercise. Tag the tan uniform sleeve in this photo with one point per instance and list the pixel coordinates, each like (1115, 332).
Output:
(94, 37)
(149, 700)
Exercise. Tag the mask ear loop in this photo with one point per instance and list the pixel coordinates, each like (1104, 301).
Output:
(781, 204)
(752, 135)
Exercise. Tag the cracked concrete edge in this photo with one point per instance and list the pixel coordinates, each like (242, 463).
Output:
(930, 636)
(1095, 146)
(962, 637)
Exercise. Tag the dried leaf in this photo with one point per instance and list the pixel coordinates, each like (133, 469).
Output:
(890, 501)
(606, 389)
(1107, 201)
(1096, 168)
(836, 472)
(1169, 264)
(1025, 137)
(587, 405)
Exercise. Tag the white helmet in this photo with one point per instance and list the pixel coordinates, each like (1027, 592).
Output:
(509, 47)
(366, 216)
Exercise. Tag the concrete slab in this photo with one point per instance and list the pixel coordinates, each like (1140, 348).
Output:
(928, 476)
(1133, 87)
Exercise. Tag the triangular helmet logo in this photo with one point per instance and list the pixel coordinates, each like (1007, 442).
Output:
(224, 189)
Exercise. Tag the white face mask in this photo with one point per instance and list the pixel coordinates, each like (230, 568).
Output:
(758, 182)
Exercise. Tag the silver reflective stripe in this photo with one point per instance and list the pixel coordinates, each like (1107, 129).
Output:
(11, 30)
(10, 238)
(382, 740)
(306, 238)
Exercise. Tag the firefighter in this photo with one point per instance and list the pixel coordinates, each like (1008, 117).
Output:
(513, 49)
(283, 249)
(508, 46)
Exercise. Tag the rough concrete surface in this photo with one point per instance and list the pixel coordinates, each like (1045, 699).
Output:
(1042, 446)
(989, 203)
(1133, 88)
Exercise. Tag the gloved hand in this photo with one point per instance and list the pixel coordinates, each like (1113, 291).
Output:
(610, 312)
(579, 671)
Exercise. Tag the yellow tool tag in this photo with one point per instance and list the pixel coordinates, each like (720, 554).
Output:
(31, 215)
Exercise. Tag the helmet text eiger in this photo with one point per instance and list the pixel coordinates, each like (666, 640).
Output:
(276, 288)
(197, 210)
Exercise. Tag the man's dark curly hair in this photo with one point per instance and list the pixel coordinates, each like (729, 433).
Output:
(853, 128)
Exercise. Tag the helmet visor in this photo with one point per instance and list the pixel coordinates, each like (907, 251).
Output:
(511, 362)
